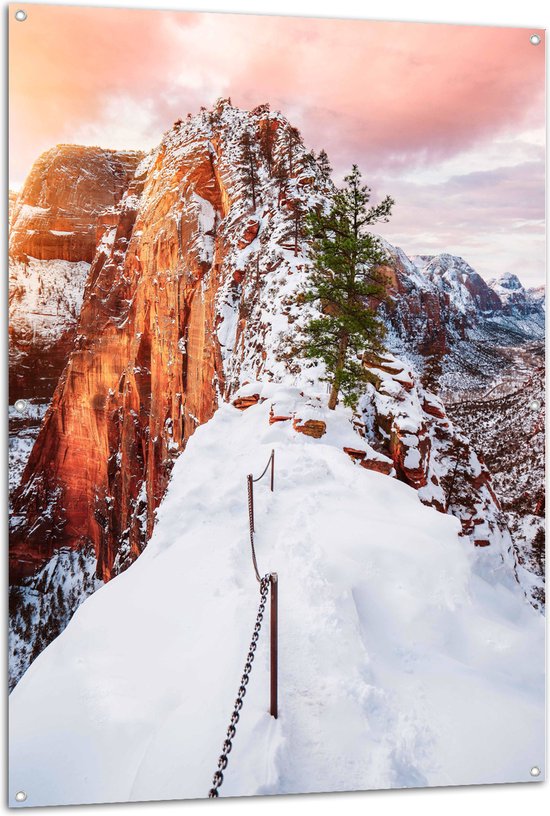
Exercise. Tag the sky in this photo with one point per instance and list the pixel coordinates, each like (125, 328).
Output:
(447, 119)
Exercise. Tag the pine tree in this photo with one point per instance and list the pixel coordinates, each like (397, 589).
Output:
(60, 601)
(280, 175)
(538, 550)
(249, 161)
(347, 282)
(452, 481)
(292, 139)
(267, 143)
(324, 164)
(14, 602)
(433, 368)
(298, 213)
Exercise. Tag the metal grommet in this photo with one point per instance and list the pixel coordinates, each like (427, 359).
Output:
(20, 796)
(535, 39)
(20, 16)
(20, 405)
(535, 771)
(534, 405)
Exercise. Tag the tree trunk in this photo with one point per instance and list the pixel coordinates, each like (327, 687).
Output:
(342, 351)
(252, 173)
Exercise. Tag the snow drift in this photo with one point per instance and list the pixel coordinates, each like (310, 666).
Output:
(401, 664)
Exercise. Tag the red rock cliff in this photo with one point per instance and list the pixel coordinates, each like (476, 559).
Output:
(175, 312)
(53, 236)
(67, 189)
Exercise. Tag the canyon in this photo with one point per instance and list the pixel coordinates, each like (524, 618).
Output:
(173, 282)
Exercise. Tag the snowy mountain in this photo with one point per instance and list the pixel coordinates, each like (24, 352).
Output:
(515, 299)
(466, 289)
(184, 368)
(391, 642)
(455, 328)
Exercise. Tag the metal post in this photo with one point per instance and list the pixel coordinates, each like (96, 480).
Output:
(250, 482)
(273, 708)
(272, 469)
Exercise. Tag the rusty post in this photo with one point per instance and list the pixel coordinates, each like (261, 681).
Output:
(272, 469)
(250, 482)
(273, 707)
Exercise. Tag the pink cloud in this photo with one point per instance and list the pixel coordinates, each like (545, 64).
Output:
(494, 219)
(391, 91)
(390, 96)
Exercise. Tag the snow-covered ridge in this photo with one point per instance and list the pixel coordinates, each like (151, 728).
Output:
(262, 252)
(389, 640)
(400, 622)
(469, 292)
(194, 227)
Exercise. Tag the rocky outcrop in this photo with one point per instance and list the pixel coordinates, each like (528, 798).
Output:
(244, 402)
(315, 428)
(380, 464)
(68, 188)
(55, 225)
(166, 329)
(411, 426)
(12, 200)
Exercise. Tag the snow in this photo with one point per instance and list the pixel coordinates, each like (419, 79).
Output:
(27, 212)
(399, 664)
(408, 657)
(412, 458)
(24, 429)
(45, 297)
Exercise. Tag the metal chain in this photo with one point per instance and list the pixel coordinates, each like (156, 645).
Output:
(261, 476)
(228, 744)
(251, 526)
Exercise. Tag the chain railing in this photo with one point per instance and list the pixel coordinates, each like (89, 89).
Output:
(250, 482)
(269, 581)
(235, 716)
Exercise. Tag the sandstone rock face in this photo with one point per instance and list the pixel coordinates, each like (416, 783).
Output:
(315, 428)
(54, 226)
(166, 330)
(45, 298)
(379, 465)
(55, 216)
